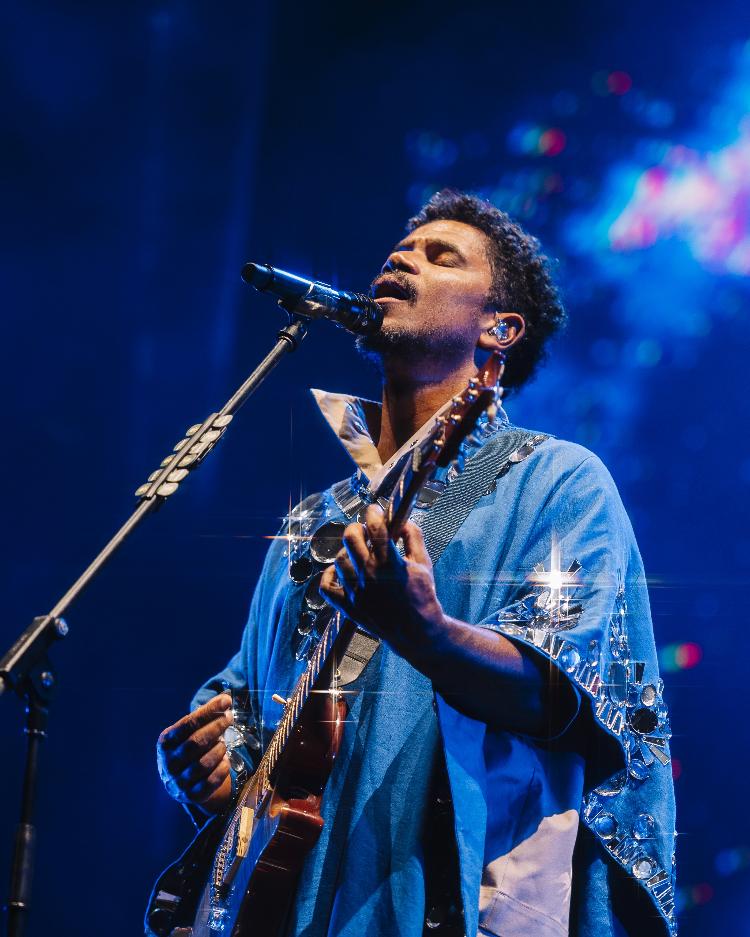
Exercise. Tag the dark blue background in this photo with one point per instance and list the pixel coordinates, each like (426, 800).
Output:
(147, 150)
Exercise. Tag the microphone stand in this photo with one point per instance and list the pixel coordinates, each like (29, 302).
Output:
(26, 667)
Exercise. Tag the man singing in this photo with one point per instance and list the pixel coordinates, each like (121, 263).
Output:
(505, 764)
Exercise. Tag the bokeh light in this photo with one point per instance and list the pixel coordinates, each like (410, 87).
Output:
(619, 83)
(674, 657)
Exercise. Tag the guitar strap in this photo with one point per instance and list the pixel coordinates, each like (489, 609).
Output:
(444, 518)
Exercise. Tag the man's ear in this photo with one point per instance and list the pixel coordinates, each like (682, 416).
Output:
(502, 332)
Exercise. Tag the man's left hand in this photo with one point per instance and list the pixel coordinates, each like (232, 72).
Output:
(391, 596)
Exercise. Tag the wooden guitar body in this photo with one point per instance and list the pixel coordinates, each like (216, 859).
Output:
(254, 852)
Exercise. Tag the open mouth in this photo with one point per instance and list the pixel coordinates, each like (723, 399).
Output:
(390, 288)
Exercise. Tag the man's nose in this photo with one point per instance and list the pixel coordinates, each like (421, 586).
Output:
(401, 260)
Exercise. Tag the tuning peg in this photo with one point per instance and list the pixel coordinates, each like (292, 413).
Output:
(279, 699)
(459, 462)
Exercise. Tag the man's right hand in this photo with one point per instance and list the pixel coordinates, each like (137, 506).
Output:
(192, 756)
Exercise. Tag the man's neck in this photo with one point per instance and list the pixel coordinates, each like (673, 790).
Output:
(408, 404)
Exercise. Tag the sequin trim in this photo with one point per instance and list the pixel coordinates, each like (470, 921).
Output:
(627, 708)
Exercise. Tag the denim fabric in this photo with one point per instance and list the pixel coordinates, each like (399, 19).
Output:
(517, 800)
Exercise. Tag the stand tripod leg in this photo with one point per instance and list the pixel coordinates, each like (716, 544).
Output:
(19, 900)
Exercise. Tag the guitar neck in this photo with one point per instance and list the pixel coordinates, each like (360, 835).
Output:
(337, 634)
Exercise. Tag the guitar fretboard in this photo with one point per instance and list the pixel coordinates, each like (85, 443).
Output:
(335, 628)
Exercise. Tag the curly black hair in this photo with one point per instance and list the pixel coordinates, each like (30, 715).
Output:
(521, 278)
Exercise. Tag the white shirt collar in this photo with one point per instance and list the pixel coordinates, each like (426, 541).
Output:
(355, 420)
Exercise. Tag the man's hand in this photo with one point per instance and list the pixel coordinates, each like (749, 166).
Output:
(192, 756)
(393, 597)
(482, 674)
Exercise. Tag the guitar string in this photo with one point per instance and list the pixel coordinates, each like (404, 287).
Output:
(294, 706)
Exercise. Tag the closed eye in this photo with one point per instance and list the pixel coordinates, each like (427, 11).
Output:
(444, 254)
(439, 252)
(446, 259)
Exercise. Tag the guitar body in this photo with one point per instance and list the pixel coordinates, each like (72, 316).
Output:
(237, 876)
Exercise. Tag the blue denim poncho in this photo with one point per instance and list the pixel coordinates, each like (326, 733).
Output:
(554, 837)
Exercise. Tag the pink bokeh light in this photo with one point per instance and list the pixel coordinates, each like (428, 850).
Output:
(700, 198)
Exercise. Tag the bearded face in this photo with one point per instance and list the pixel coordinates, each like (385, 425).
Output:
(433, 290)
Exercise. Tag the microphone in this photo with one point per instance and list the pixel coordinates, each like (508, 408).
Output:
(354, 312)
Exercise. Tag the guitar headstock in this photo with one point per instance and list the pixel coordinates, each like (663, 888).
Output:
(479, 396)
(442, 445)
